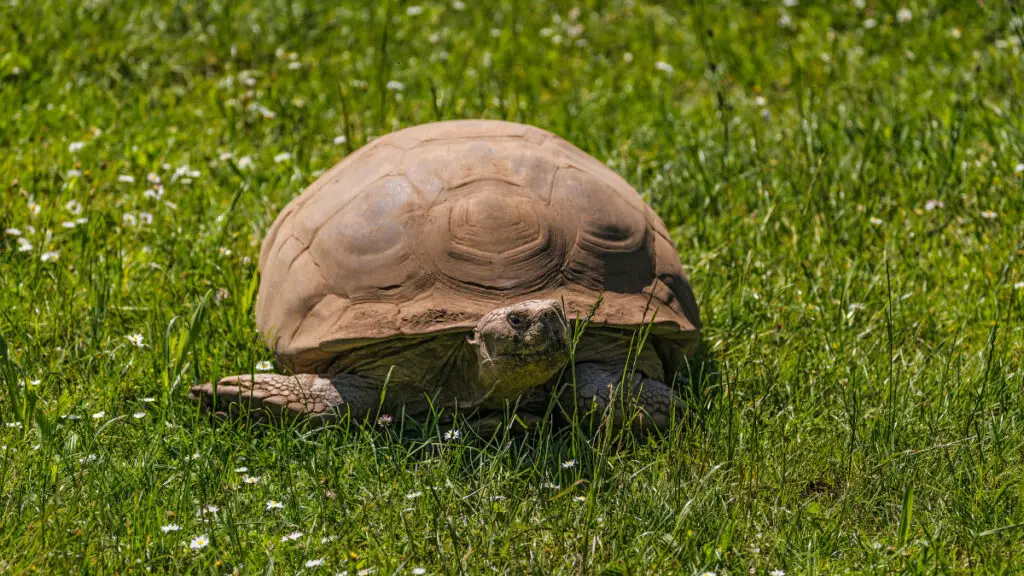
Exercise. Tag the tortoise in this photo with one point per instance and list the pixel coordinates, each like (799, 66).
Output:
(445, 262)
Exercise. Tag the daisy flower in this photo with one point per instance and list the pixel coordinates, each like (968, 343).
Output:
(568, 464)
(274, 505)
(264, 365)
(199, 542)
(137, 340)
(314, 563)
(292, 536)
(170, 528)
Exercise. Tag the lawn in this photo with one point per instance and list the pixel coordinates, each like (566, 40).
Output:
(844, 182)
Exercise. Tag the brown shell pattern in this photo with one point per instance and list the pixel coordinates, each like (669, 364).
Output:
(428, 228)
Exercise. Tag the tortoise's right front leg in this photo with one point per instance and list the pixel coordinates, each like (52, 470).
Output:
(278, 397)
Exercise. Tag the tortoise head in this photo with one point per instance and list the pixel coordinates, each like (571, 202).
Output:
(520, 346)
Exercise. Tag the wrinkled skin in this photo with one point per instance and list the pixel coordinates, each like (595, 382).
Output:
(512, 358)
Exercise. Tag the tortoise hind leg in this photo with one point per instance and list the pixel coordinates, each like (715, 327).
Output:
(277, 397)
(632, 400)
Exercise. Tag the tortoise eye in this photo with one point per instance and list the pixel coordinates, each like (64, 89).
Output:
(516, 321)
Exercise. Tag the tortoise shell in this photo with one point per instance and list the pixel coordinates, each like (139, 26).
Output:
(424, 230)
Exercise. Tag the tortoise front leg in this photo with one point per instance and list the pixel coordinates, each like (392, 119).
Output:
(603, 392)
(278, 397)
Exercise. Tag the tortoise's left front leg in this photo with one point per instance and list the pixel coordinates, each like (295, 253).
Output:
(602, 391)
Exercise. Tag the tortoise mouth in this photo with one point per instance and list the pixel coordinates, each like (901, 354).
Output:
(522, 352)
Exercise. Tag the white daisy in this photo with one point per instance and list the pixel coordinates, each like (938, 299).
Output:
(74, 207)
(419, 571)
(282, 157)
(989, 215)
(340, 139)
(664, 67)
(413, 495)
(139, 415)
(50, 256)
(452, 435)
(12, 232)
(24, 245)
(274, 505)
(75, 146)
(292, 536)
(314, 563)
(904, 15)
(149, 399)
(875, 221)
(241, 470)
(126, 178)
(264, 365)
(245, 163)
(137, 340)
(569, 464)
(395, 86)
(170, 528)
(99, 415)
(199, 542)
(251, 479)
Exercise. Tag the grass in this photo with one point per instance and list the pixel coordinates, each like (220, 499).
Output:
(841, 182)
